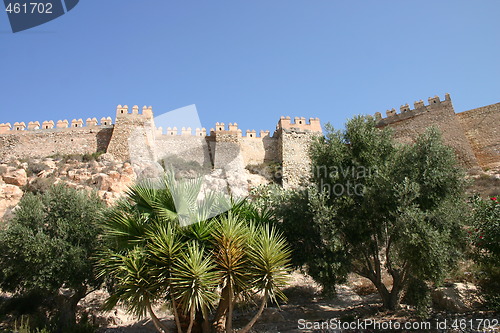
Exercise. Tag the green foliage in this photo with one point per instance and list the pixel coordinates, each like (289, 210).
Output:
(300, 214)
(377, 206)
(484, 235)
(153, 256)
(49, 243)
(87, 157)
(194, 279)
(53, 234)
(418, 295)
(24, 327)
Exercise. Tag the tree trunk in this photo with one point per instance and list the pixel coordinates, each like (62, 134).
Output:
(248, 326)
(229, 319)
(67, 302)
(191, 320)
(206, 323)
(176, 315)
(220, 314)
(390, 299)
(159, 326)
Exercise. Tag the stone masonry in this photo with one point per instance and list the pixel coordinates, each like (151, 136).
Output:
(134, 137)
(473, 134)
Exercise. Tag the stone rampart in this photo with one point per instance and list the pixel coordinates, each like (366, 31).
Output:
(482, 129)
(409, 123)
(50, 138)
(133, 136)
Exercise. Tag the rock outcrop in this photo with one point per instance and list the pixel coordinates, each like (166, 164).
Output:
(108, 177)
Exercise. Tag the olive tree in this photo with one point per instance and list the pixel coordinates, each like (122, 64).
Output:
(47, 248)
(378, 208)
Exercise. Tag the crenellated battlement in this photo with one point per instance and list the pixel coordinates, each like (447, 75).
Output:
(7, 128)
(123, 111)
(133, 132)
(174, 131)
(232, 129)
(300, 124)
(406, 112)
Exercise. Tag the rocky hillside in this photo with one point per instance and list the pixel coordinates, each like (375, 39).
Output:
(102, 173)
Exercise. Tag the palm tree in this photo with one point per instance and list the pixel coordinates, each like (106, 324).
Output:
(137, 288)
(153, 255)
(230, 238)
(269, 258)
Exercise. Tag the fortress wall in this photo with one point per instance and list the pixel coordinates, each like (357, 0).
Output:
(294, 140)
(185, 148)
(259, 150)
(42, 143)
(482, 128)
(228, 153)
(409, 124)
(294, 150)
(133, 130)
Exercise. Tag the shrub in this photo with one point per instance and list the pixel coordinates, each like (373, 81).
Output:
(48, 245)
(39, 185)
(484, 235)
(34, 168)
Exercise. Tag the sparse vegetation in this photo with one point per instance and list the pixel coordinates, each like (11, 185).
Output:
(272, 171)
(87, 157)
(485, 185)
(39, 185)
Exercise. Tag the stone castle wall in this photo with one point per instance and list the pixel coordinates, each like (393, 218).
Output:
(482, 129)
(20, 143)
(409, 123)
(133, 136)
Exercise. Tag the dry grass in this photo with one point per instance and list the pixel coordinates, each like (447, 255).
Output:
(485, 185)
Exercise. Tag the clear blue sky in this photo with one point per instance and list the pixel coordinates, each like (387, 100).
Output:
(251, 61)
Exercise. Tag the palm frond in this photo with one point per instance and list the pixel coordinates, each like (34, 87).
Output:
(270, 258)
(194, 279)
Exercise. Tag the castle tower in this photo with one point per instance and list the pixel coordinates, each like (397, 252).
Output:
(226, 147)
(133, 134)
(294, 140)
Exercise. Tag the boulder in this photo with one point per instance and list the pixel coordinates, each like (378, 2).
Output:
(17, 177)
(106, 158)
(10, 195)
(102, 181)
(114, 175)
(457, 297)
